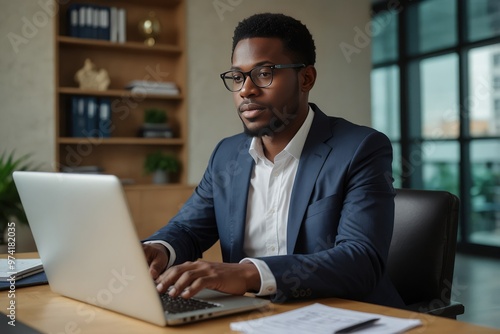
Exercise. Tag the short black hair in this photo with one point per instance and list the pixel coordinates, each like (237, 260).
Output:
(295, 36)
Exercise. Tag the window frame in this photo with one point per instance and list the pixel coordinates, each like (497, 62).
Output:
(410, 98)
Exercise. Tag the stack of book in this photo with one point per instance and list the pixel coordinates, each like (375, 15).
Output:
(97, 22)
(145, 87)
(90, 117)
(156, 131)
(82, 169)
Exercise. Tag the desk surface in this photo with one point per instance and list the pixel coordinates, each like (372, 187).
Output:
(48, 312)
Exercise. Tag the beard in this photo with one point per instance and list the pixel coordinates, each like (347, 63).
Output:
(276, 124)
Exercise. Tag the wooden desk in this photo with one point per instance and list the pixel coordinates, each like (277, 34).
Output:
(48, 312)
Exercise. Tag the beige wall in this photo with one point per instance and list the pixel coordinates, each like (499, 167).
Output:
(27, 81)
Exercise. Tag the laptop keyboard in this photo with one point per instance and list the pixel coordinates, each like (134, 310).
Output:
(179, 304)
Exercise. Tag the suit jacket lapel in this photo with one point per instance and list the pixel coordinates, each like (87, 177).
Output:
(313, 156)
(238, 199)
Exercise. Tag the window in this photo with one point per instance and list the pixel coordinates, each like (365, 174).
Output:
(483, 96)
(497, 105)
(436, 94)
(483, 19)
(496, 60)
(439, 96)
(385, 45)
(496, 82)
(431, 26)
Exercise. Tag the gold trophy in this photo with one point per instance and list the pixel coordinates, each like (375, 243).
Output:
(150, 29)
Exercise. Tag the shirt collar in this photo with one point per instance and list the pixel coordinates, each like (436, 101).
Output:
(294, 147)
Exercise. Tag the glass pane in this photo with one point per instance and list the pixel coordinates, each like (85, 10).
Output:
(385, 101)
(484, 95)
(431, 26)
(441, 166)
(396, 165)
(385, 37)
(484, 225)
(439, 97)
(483, 19)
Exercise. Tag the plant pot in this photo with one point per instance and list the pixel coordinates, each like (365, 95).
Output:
(160, 177)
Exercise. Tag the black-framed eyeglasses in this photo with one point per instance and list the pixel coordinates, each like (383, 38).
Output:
(261, 76)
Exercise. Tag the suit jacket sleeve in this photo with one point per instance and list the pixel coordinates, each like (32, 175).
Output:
(217, 208)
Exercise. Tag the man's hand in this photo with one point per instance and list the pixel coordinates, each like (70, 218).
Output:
(189, 278)
(157, 256)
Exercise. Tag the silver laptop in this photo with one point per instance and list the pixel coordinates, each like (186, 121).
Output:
(90, 250)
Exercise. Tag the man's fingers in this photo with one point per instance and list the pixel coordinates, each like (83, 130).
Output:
(157, 259)
(178, 278)
(197, 285)
(189, 288)
(155, 269)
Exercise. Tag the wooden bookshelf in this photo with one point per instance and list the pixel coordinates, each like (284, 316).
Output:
(124, 152)
(124, 62)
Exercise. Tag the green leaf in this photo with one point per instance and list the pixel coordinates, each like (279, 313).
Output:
(160, 161)
(10, 202)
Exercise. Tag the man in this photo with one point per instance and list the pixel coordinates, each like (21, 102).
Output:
(302, 203)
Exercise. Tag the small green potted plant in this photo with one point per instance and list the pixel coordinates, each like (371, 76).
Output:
(161, 165)
(11, 208)
(155, 116)
(156, 124)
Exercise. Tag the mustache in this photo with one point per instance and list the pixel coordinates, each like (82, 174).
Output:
(248, 105)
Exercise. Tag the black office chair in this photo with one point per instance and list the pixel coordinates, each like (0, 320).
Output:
(422, 253)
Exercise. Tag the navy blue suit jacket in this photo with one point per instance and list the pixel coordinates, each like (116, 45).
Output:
(340, 218)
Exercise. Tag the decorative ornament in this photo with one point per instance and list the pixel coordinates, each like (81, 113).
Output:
(150, 29)
(88, 77)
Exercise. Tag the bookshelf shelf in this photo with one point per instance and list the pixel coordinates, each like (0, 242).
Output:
(127, 46)
(123, 141)
(117, 93)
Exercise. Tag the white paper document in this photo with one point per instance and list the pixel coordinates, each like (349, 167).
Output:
(14, 269)
(318, 318)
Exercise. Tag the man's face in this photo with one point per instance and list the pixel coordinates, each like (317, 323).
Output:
(270, 110)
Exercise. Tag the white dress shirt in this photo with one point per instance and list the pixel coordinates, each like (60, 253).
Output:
(269, 196)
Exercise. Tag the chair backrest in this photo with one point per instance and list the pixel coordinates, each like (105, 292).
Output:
(422, 253)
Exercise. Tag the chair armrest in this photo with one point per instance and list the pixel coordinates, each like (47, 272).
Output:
(450, 310)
